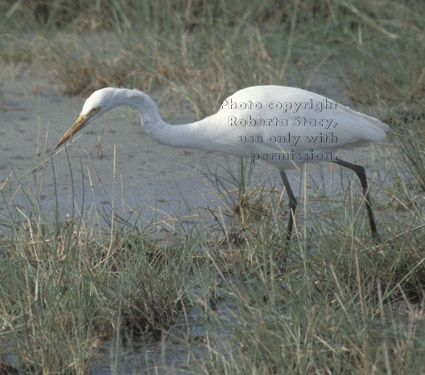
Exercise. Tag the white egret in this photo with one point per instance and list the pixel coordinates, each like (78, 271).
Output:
(282, 126)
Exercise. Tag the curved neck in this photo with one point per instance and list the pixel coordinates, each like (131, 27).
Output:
(184, 135)
(143, 103)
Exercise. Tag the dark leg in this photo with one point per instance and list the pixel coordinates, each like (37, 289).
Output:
(362, 176)
(292, 205)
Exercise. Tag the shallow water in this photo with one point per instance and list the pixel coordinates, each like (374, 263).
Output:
(131, 173)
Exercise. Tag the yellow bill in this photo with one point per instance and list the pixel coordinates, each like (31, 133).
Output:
(78, 125)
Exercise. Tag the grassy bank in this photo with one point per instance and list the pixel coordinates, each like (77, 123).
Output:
(343, 305)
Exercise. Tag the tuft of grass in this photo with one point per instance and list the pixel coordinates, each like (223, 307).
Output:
(150, 283)
(243, 201)
(411, 136)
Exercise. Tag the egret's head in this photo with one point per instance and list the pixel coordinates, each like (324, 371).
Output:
(95, 106)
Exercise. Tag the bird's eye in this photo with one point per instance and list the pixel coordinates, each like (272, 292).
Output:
(96, 109)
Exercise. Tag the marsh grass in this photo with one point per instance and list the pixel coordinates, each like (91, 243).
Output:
(412, 139)
(64, 290)
(243, 200)
(216, 49)
(345, 305)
